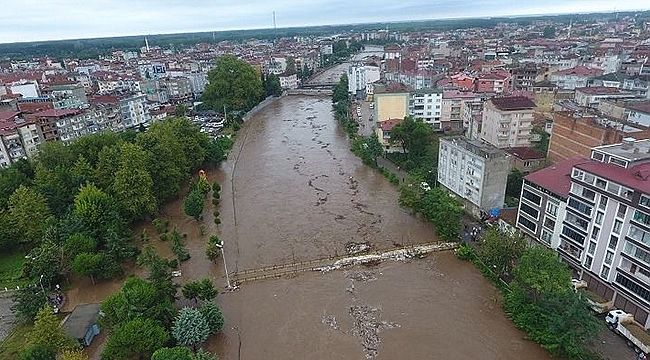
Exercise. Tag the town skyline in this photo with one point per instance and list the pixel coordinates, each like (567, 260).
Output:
(34, 21)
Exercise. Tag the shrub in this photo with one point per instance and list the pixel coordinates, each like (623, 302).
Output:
(158, 225)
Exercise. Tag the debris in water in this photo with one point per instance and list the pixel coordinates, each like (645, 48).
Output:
(363, 276)
(331, 321)
(366, 327)
(353, 248)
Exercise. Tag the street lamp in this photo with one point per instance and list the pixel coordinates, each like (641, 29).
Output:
(40, 280)
(223, 255)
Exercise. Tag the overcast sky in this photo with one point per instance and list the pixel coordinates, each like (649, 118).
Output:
(29, 20)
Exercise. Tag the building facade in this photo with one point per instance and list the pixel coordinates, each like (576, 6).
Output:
(508, 121)
(426, 104)
(476, 172)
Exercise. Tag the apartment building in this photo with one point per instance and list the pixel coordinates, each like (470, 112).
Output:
(543, 201)
(605, 234)
(476, 172)
(508, 121)
(453, 108)
(134, 111)
(426, 104)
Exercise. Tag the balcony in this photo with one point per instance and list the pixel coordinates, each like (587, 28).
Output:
(569, 249)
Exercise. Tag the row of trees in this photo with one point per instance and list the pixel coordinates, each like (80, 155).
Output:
(538, 293)
(70, 210)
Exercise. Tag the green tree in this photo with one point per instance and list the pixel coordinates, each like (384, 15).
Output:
(159, 272)
(20, 173)
(272, 85)
(204, 355)
(232, 83)
(76, 354)
(45, 263)
(8, 235)
(191, 290)
(77, 244)
(175, 353)
(213, 248)
(137, 338)
(540, 272)
(444, 211)
(500, 251)
(180, 110)
(133, 185)
(341, 90)
(137, 299)
(213, 317)
(90, 265)
(94, 206)
(514, 183)
(549, 32)
(193, 204)
(291, 66)
(178, 246)
(207, 291)
(47, 332)
(37, 352)
(28, 212)
(27, 301)
(190, 328)
(414, 136)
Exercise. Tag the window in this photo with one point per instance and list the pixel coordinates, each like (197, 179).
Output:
(618, 162)
(528, 210)
(577, 174)
(597, 156)
(637, 252)
(573, 235)
(588, 194)
(639, 235)
(603, 202)
(637, 289)
(594, 232)
(549, 223)
(601, 183)
(609, 256)
(580, 207)
(576, 221)
(588, 261)
(604, 272)
(592, 248)
(589, 179)
(536, 199)
(617, 226)
(527, 223)
(613, 188)
(546, 237)
(627, 193)
(599, 217)
(551, 208)
(613, 241)
(641, 218)
(644, 201)
(622, 209)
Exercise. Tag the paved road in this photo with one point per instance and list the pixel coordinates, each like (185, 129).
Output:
(7, 317)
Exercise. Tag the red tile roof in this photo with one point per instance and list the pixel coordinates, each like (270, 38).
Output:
(510, 103)
(601, 90)
(580, 70)
(389, 124)
(57, 112)
(642, 107)
(556, 178)
(525, 153)
(8, 115)
(636, 177)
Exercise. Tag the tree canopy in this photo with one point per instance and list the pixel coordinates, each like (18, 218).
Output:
(232, 83)
(137, 338)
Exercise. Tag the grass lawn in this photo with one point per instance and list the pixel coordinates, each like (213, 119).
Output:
(11, 270)
(15, 342)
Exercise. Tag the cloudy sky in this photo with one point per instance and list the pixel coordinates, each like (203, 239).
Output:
(29, 20)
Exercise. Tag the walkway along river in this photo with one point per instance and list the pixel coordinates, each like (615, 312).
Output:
(292, 192)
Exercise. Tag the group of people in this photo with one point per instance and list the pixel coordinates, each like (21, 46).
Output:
(56, 299)
(474, 233)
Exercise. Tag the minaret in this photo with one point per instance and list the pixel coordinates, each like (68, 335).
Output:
(570, 24)
(146, 43)
(274, 25)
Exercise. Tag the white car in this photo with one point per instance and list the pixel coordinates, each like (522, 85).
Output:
(371, 105)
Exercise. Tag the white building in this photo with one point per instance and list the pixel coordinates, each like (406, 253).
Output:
(134, 111)
(426, 104)
(356, 79)
(508, 121)
(639, 114)
(474, 171)
(288, 81)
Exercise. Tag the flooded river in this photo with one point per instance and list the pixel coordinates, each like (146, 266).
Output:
(292, 191)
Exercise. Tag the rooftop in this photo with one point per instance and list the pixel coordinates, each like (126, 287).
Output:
(636, 177)
(389, 124)
(602, 90)
(474, 146)
(511, 103)
(82, 317)
(57, 112)
(556, 178)
(525, 153)
(641, 107)
(8, 115)
(630, 150)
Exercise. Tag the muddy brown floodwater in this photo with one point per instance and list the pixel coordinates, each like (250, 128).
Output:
(292, 191)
